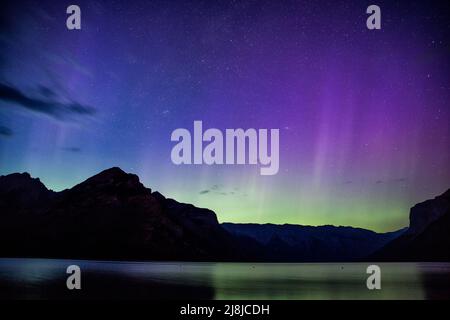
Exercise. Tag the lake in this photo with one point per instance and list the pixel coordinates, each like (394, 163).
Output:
(46, 279)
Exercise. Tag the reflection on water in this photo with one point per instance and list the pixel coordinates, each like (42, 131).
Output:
(46, 279)
(316, 281)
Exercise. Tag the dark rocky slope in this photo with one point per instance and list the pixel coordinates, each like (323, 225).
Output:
(428, 237)
(109, 216)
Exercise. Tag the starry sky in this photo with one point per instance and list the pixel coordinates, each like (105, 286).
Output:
(363, 115)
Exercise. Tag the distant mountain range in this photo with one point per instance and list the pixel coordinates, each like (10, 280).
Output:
(113, 216)
(306, 243)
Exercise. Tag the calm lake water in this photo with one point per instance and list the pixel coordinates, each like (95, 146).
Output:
(46, 279)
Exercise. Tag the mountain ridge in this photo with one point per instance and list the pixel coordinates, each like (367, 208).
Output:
(299, 242)
(112, 215)
(427, 238)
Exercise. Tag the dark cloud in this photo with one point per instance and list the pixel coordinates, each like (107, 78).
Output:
(6, 25)
(72, 149)
(51, 107)
(389, 181)
(218, 190)
(213, 189)
(5, 132)
(47, 92)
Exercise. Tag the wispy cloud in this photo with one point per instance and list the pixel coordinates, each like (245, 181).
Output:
(47, 92)
(219, 190)
(49, 105)
(390, 181)
(72, 149)
(5, 132)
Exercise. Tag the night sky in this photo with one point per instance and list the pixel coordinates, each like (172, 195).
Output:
(364, 115)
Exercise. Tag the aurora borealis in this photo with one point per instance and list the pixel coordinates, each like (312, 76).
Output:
(363, 114)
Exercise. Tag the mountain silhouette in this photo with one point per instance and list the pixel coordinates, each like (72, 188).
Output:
(323, 243)
(109, 216)
(428, 236)
(112, 215)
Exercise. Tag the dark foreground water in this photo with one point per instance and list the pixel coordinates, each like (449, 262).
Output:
(46, 278)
